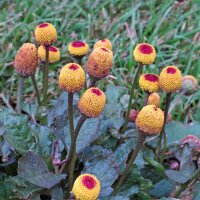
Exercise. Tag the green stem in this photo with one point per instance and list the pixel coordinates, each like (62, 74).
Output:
(163, 134)
(19, 94)
(185, 185)
(36, 89)
(73, 143)
(139, 70)
(45, 76)
(141, 140)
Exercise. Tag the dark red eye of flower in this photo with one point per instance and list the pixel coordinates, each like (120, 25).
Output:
(151, 77)
(43, 25)
(171, 70)
(88, 182)
(96, 91)
(104, 49)
(53, 49)
(73, 67)
(78, 44)
(145, 48)
(103, 40)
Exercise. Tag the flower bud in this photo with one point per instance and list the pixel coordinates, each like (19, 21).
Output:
(26, 60)
(72, 78)
(154, 99)
(86, 187)
(170, 79)
(92, 102)
(45, 34)
(54, 54)
(144, 53)
(78, 48)
(150, 120)
(105, 43)
(99, 62)
(190, 85)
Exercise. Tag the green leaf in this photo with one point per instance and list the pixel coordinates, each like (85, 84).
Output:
(176, 176)
(33, 169)
(162, 188)
(176, 131)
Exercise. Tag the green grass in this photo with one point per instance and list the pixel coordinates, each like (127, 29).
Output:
(171, 27)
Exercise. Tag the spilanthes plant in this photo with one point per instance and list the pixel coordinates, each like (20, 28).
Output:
(86, 187)
(45, 34)
(25, 64)
(170, 80)
(149, 122)
(154, 99)
(144, 54)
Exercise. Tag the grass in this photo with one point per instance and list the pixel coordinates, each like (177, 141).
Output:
(172, 27)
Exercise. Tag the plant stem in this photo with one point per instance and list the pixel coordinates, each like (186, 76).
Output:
(139, 70)
(92, 82)
(73, 143)
(36, 89)
(19, 94)
(185, 185)
(141, 140)
(146, 98)
(159, 144)
(45, 76)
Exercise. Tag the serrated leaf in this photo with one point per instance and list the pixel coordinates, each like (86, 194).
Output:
(32, 168)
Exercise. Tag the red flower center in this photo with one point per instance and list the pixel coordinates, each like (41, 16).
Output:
(145, 48)
(171, 70)
(151, 77)
(103, 40)
(104, 49)
(53, 49)
(78, 44)
(73, 67)
(89, 182)
(96, 91)
(43, 25)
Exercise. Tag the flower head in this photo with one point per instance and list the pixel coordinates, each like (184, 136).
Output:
(26, 60)
(86, 187)
(150, 120)
(149, 82)
(45, 34)
(154, 99)
(78, 48)
(71, 78)
(133, 115)
(99, 62)
(92, 102)
(144, 53)
(170, 79)
(103, 43)
(190, 84)
(54, 54)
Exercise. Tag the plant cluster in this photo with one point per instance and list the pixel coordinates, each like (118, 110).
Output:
(81, 146)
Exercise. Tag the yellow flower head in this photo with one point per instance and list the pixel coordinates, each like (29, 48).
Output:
(144, 53)
(78, 48)
(54, 54)
(26, 60)
(103, 43)
(149, 82)
(45, 34)
(154, 99)
(150, 120)
(72, 78)
(92, 102)
(99, 62)
(190, 85)
(86, 187)
(170, 79)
